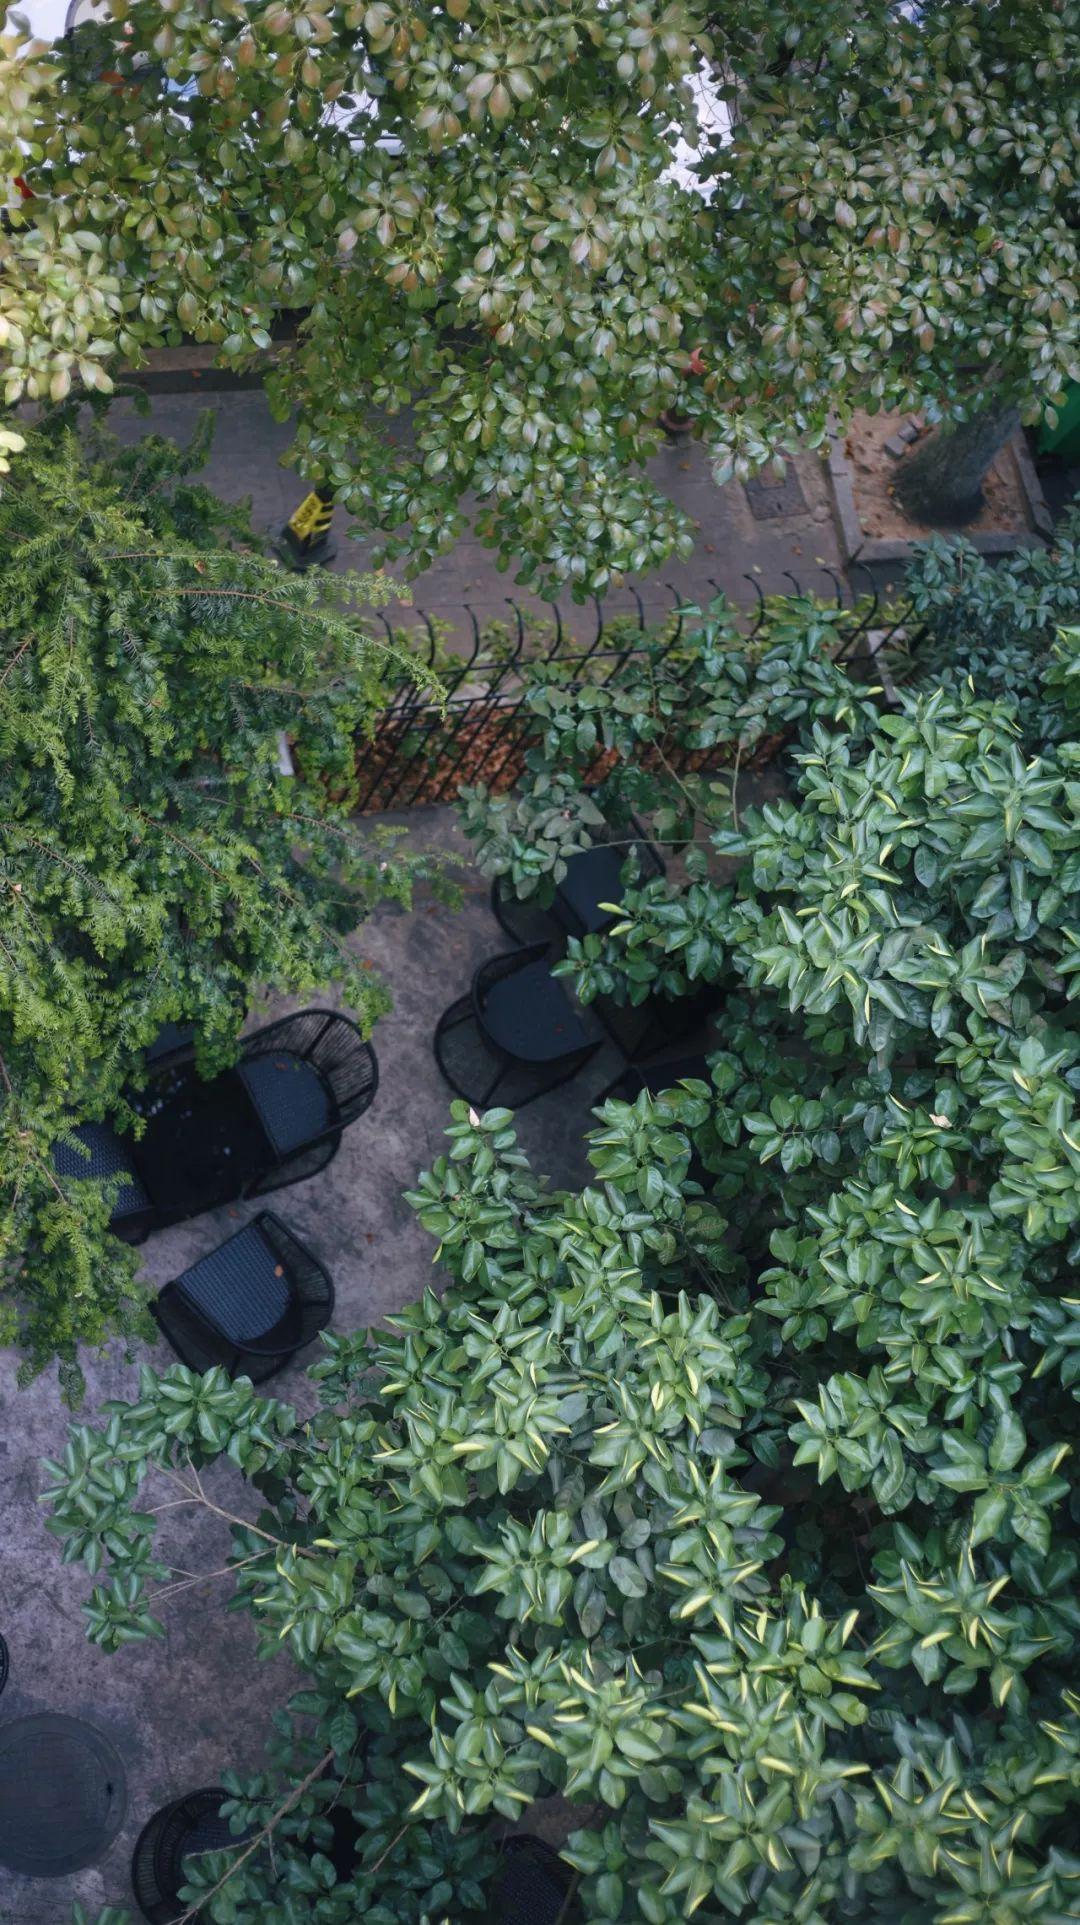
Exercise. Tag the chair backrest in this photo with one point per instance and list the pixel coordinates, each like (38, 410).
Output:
(109, 1155)
(531, 1886)
(311, 1287)
(333, 1045)
(174, 1043)
(188, 1824)
(594, 876)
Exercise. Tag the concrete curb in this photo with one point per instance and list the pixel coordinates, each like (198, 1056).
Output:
(857, 546)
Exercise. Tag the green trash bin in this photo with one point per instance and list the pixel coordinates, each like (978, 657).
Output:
(1064, 440)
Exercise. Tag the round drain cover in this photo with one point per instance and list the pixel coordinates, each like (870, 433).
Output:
(63, 1795)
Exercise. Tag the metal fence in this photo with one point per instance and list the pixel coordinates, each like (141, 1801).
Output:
(423, 751)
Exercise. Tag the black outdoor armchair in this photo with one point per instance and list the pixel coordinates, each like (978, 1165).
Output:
(656, 1077)
(643, 1030)
(309, 1076)
(103, 1154)
(593, 878)
(274, 1119)
(188, 1825)
(531, 1886)
(251, 1305)
(516, 1034)
(174, 1043)
(194, 1824)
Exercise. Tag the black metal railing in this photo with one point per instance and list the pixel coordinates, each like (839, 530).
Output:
(423, 750)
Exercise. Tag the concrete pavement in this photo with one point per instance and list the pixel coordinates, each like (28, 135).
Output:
(731, 543)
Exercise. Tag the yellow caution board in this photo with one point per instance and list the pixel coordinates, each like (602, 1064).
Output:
(306, 535)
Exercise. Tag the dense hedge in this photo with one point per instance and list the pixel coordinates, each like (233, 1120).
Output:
(156, 865)
(739, 1511)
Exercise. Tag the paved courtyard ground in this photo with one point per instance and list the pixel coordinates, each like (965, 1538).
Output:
(730, 542)
(181, 1711)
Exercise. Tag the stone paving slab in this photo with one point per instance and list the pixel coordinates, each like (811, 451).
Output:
(731, 544)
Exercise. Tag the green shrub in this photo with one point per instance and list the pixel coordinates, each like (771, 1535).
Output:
(741, 1512)
(155, 865)
(760, 1577)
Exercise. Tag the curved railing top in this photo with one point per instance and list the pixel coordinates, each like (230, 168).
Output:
(605, 633)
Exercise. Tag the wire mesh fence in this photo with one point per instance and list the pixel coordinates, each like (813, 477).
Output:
(423, 750)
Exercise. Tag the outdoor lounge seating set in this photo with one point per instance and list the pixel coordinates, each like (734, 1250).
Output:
(531, 1887)
(518, 1032)
(275, 1118)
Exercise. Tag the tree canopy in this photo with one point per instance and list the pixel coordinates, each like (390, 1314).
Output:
(732, 1497)
(156, 866)
(472, 211)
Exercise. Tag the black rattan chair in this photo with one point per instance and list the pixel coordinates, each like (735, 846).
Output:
(655, 1077)
(250, 1305)
(592, 878)
(174, 1043)
(643, 1030)
(531, 1886)
(309, 1076)
(275, 1119)
(103, 1154)
(516, 1032)
(190, 1824)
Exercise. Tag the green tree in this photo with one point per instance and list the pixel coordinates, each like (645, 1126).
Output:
(550, 1534)
(474, 210)
(733, 1497)
(155, 865)
(898, 228)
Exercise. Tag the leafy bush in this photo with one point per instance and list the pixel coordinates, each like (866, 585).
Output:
(997, 622)
(733, 1497)
(155, 866)
(552, 1533)
(652, 729)
(653, 734)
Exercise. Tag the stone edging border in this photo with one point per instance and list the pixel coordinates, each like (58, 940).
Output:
(857, 546)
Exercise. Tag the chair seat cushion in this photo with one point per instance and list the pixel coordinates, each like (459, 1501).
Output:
(593, 877)
(240, 1288)
(290, 1096)
(530, 1016)
(109, 1156)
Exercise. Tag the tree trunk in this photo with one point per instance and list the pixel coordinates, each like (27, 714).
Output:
(941, 483)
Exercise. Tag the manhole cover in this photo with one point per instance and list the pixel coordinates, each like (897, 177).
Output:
(770, 497)
(63, 1795)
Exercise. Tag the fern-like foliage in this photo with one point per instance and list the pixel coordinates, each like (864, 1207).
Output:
(155, 865)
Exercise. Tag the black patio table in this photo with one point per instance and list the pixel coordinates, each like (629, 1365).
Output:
(63, 1795)
(197, 1136)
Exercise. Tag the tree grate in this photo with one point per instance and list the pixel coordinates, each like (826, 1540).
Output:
(772, 497)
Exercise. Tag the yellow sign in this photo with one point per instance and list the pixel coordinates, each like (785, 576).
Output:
(312, 518)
